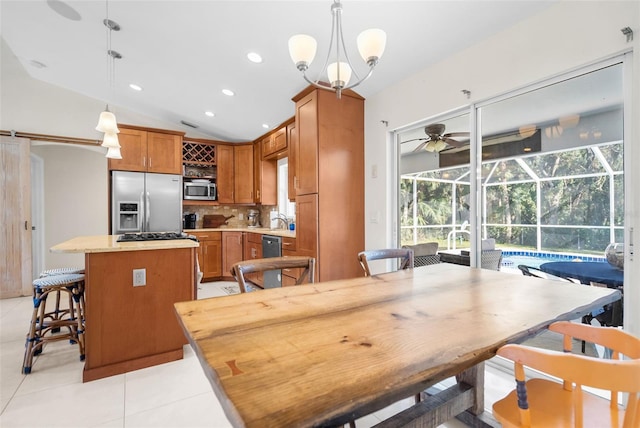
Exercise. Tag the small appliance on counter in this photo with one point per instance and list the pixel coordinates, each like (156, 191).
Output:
(190, 221)
(253, 217)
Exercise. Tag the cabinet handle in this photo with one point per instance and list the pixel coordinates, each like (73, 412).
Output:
(144, 161)
(149, 162)
(257, 194)
(286, 244)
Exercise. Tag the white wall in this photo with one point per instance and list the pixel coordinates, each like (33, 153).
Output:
(561, 38)
(75, 198)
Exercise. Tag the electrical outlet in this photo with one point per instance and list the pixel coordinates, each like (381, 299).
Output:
(139, 277)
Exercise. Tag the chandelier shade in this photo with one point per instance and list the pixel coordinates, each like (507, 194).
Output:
(302, 49)
(339, 69)
(371, 44)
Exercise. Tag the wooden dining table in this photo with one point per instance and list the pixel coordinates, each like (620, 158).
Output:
(327, 353)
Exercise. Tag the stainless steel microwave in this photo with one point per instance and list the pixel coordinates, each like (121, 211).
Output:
(201, 190)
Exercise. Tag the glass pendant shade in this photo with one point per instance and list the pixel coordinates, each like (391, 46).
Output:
(439, 145)
(302, 49)
(114, 153)
(430, 147)
(107, 122)
(110, 140)
(345, 74)
(371, 44)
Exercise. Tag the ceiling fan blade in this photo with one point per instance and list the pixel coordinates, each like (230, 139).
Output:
(456, 134)
(420, 147)
(454, 143)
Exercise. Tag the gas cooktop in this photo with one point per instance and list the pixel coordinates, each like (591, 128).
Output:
(154, 236)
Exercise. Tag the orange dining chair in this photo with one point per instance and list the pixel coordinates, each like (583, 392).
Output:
(405, 255)
(547, 403)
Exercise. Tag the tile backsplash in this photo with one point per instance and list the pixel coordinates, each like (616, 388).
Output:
(238, 212)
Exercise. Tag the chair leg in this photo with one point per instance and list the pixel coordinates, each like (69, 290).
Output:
(78, 298)
(32, 337)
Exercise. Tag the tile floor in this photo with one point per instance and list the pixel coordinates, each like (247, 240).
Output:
(175, 394)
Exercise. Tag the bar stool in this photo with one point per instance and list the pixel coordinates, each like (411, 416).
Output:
(44, 324)
(59, 313)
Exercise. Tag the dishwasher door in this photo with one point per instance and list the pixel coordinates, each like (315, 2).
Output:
(272, 247)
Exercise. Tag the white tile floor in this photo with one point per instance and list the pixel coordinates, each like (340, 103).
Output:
(176, 394)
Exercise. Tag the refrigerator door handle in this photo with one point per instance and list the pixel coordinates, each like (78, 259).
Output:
(142, 209)
(147, 213)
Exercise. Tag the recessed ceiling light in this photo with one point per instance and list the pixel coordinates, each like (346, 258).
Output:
(228, 92)
(135, 87)
(264, 125)
(209, 113)
(254, 57)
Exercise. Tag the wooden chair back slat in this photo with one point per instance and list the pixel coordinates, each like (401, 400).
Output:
(404, 254)
(308, 264)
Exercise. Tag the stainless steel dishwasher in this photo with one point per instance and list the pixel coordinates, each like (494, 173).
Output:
(272, 247)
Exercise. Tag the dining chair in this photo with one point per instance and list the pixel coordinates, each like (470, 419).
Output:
(490, 259)
(545, 402)
(306, 264)
(405, 256)
(424, 254)
(537, 273)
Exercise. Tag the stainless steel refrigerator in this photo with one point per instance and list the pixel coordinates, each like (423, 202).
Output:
(145, 202)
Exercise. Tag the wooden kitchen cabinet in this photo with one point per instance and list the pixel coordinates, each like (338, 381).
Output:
(232, 251)
(274, 143)
(290, 276)
(147, 150)
(292, 137)
(252, 251)
(235, 174)
(243, 174)
(265, 182)
(209, 254)
(329, 181)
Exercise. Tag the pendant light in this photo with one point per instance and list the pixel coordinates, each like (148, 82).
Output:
(371, 44)
(107, 122)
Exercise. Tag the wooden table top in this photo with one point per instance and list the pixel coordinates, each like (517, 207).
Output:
(326, 353)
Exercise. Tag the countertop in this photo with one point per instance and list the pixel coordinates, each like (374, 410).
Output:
(260, 230)
(107, 243)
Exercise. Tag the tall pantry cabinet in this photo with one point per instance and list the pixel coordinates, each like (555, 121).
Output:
(329, 181)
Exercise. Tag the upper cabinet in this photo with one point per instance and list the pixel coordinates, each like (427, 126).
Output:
(235, 174)
(264, 178)
(328, 167)
(146, 150)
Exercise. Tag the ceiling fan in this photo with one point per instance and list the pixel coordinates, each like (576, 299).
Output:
(437, 140)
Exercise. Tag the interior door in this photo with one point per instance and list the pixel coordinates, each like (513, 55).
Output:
(15, 218)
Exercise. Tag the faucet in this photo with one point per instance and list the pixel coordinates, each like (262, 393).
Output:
(281, 218)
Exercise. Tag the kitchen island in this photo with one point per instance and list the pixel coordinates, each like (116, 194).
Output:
(132, 327)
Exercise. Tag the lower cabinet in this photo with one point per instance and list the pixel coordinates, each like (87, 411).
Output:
(210, 254)
(252, 251)
(232, 251)
(290, 276)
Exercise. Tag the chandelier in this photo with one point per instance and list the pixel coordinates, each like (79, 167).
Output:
(107, 122)
(371, 44)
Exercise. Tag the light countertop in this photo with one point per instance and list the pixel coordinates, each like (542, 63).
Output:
(107, 243)
(260, 230)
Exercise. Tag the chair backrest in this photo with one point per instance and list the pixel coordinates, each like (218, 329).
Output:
(424, 254)
(491, 259)
(614, 375)
(308, 264)
(404, 254)
(537, 273)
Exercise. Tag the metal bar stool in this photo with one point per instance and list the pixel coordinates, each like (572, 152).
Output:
(44, 325)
